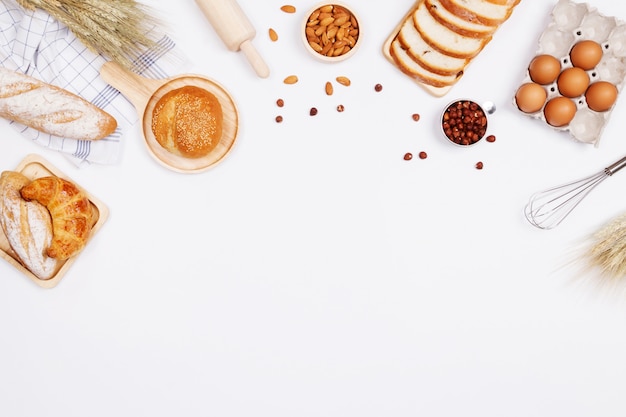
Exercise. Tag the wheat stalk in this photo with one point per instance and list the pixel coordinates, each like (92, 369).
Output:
(117, 29)
(608, 249)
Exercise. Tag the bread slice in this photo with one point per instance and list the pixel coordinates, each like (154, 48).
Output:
(465, 27)
(444, 39)
(408, 65)
(490, 13)
(425, 55)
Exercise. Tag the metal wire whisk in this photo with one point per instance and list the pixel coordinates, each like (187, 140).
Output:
(548, 208)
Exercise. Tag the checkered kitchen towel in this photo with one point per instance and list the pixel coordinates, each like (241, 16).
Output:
(36, 44)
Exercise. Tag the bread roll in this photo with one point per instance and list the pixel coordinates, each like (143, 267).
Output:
(188, 122)
(51, 109)
(27, 226)
(70, 210)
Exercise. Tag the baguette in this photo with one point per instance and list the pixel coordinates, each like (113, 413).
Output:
(27, 226)
(50, 109)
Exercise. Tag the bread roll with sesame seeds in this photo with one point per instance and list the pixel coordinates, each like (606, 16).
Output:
(188, 122)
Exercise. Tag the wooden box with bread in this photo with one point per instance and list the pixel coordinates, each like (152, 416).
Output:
(437, 39)
(46, 220)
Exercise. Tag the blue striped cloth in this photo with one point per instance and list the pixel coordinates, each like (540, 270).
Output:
(36, 44)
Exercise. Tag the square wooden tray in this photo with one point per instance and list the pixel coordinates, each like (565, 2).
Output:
(33, 167)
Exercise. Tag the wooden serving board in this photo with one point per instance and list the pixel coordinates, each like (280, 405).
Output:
(33, 167)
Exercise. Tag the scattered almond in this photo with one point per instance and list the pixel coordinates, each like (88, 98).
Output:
(292, 79)
(343, 80)
(329, 89)
(273, 35)
(288, 8)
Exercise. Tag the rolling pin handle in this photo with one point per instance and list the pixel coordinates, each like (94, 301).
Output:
(255, 59)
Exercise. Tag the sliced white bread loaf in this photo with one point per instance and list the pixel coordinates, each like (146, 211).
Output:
(434, 45)
(425, 55)
(444, 39)
(408, 65)
(465, 27)
(490, 13)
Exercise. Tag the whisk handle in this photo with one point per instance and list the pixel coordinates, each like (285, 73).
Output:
(613, 168)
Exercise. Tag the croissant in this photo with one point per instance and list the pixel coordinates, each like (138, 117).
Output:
(70, 210)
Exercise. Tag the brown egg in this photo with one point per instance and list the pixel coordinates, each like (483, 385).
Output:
(530, 97)
(601, 95)
(544, 69)
(586, 54)
(573, 82)
(559, 111)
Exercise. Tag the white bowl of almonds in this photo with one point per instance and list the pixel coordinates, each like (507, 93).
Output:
(331, 32)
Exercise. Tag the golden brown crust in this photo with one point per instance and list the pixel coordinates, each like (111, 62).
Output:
(188, 122)
(27, 226)
(415, 71)
(467, 11)
(458, 24)
(51, 109)
(70, 210)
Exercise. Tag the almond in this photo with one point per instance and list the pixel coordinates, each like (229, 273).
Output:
(329, 88)
(288, 8)
(316, 46)
(292, 79)
(343, 80)
(273, 35)
(327, 21)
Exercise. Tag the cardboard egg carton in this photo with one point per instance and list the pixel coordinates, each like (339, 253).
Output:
(571, 23)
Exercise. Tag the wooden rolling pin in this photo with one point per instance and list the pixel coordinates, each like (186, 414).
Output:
(235, 30)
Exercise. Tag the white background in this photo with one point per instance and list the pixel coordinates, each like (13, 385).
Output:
(314, 272)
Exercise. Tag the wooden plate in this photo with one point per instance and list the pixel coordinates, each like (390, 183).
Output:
(144, 93)
(33, 167)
